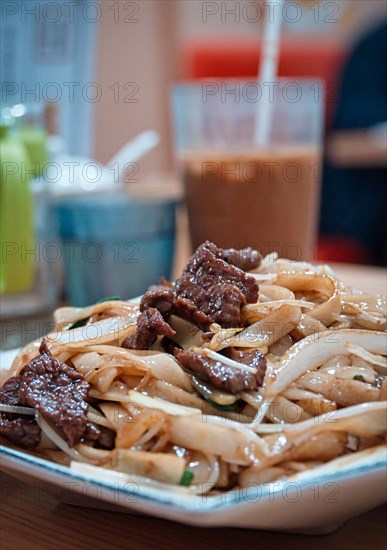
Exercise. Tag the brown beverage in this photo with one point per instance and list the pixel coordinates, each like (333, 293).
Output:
(268, 200)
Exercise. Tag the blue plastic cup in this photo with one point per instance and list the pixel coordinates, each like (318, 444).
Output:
(113, 245)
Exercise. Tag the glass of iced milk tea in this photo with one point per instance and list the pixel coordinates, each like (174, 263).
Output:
(241, 194)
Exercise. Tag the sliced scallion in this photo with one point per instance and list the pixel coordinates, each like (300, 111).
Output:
(186, 478)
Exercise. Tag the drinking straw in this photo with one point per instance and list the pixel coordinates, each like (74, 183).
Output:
(269, 70)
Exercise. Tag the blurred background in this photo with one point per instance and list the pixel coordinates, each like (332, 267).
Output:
(80, 79)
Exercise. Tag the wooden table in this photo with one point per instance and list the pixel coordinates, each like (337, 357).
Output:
(34, 521)
(370, 279)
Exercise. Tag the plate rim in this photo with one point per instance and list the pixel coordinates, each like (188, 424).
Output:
(197, 504)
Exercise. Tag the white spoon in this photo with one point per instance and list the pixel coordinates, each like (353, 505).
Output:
(133, 151)
(80, 175)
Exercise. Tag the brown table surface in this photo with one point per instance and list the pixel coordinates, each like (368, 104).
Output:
(31, 521)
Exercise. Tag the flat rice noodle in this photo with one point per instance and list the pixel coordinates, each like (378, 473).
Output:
(99, 457)
(383, 390)
(342, 391)
(266, 262)
(266, 332)
(117, 415)
(104, 379)
(313, 351)
(98, 417)
(364, 420)
(262, 276)
(364, 319)
(337, 361)
(118, 392)
(66, 355)
(165, 467)
(313, 403)
(365, 301)
(252, 398)
(273, 292)
(130, 432)
(101, 332)
(307, 326)
(231, 444)
(281, 410)
(205, 468)
(272, 264)
(240, 445)
(323, 446)
(295, 393)
(377, 361)
(87, 363)
(156, 403)
(161, 365)
(70, 315)
(220, 334)
(316, 282)
(282, 346)
(314, 406)
(135, 382)
(168, 392)
(187, 334)
(255, 312)
(350, 372)
(368, 420)
(165, 367)
(100, 371)
(224, 471)
(341, 323)
(121, 355)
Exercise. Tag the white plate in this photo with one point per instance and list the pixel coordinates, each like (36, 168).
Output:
(314, 502)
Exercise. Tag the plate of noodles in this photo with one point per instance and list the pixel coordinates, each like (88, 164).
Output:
(250, 392)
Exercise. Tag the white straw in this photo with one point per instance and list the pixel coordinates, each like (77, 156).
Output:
(269, 70)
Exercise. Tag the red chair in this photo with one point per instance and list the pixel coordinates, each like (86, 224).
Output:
(341, 249)
(306, 57)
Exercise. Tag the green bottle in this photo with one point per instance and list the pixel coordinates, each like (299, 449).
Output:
(35, 141)
(17, 235)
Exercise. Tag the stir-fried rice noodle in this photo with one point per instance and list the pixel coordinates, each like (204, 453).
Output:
(322, 398)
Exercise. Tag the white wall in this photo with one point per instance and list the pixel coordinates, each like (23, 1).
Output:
(142, 53)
